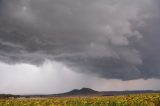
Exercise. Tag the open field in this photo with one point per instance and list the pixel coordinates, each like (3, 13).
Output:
(129, 100)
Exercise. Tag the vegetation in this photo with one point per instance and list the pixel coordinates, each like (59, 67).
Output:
(129, 100)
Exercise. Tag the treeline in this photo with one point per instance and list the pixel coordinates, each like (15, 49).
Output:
(115, 93)
(7, 96)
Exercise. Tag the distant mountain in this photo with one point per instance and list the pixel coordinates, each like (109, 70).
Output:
(81, 91)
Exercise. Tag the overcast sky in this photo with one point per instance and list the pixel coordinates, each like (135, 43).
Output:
(52, 46)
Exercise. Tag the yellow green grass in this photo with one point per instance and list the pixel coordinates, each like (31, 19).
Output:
(129, 100)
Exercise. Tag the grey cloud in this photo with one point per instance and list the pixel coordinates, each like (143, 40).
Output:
(102, 37)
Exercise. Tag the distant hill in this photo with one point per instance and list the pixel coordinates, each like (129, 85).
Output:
(82, 91)
(78, 92)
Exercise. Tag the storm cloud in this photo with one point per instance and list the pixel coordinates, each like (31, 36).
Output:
(112, 39)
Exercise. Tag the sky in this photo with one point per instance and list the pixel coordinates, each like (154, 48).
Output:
(54, 46)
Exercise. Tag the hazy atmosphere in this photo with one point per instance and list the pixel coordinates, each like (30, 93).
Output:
(53, 46)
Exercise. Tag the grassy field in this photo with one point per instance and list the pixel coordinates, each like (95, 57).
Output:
(129, 100)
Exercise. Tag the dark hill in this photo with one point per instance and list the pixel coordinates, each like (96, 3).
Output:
(82, 91)
(79, 92)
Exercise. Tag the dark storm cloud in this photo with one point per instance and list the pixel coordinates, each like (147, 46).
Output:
(112, 39)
